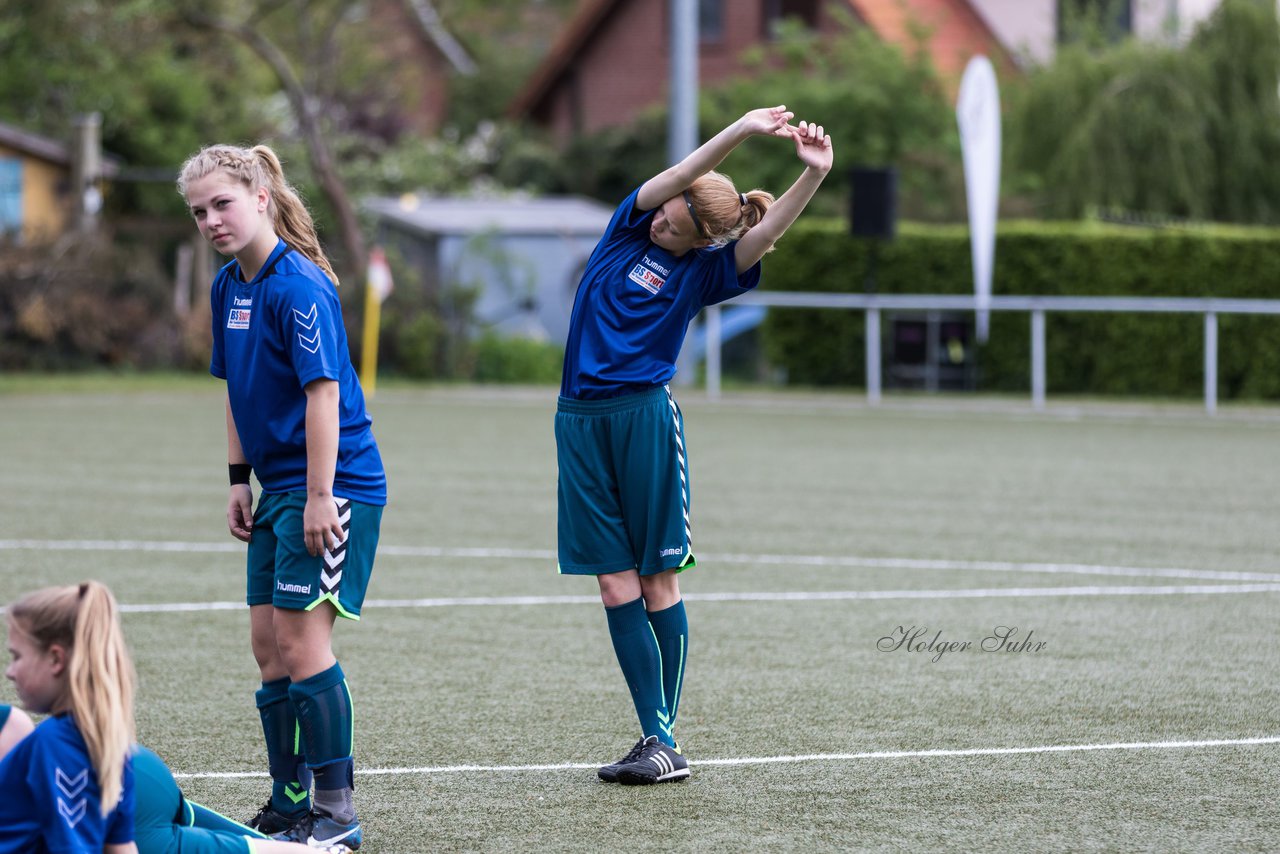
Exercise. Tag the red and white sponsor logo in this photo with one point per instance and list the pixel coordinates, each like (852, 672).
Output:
(646, 278)
(239, 318)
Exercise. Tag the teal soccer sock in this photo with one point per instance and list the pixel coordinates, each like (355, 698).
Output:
(323, 705)
(671, 628)
(638, 655)
(290, 779)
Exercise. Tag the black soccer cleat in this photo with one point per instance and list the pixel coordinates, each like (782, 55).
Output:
(270, 821)
(609, 773)
(656, 763)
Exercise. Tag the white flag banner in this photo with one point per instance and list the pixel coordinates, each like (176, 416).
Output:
(379, 274)
(978, 115)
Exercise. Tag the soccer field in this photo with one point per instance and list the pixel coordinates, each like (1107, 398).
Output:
(1114, 572)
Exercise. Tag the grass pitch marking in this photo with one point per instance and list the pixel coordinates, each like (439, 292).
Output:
(760, 596)
(787, 760)
(837, 561)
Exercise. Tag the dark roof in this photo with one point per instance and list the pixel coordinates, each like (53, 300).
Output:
(437, 215)
(581, 27)
(50, 150)
(34, 145)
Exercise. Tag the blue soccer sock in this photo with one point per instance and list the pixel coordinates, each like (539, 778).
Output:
(641, 662)
(671, 628)
(323, 704)
(290, 779)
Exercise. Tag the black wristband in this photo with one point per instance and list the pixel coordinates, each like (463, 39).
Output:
(239, 472)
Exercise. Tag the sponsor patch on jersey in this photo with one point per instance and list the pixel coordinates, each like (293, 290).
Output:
(240, 308)
(649, 275)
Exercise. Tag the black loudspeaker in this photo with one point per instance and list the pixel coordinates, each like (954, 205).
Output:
(873, 207)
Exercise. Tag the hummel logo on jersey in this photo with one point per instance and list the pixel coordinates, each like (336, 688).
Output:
(304, 589)
(306, 321)
(71, 787)
(670, 552)
(309, 343)
(649, 275)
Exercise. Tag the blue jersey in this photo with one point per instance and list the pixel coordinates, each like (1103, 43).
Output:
(271, 337)
(51, 800)
(634, 305)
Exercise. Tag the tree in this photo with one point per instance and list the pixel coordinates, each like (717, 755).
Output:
(160, 91)
(316, 24)
(881, 106)
(1179, 132)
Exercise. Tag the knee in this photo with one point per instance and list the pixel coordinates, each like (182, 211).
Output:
(660, 591)
(265, 651)
(619, 588)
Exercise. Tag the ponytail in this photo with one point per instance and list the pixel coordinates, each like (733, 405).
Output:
(84, 620)
(725, 213)
(293, 220)
(260, 167)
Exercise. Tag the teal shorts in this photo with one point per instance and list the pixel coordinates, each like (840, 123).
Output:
(283, 574)
(623, 490)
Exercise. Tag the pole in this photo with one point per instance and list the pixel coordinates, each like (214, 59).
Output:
(1037, 359)
(713, 352)
(873, 356)
(369, 344)
(1210, 362)
(682, 123)
(86, 172)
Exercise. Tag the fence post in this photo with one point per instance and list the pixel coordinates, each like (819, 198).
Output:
(873, 355)
(1037, 358)
(1210, 362)
(713, 352)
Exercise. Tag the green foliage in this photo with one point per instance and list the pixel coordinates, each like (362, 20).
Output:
(426, 327)
(881, 107)
(1087, 353)
(1191, 131)
(503, 359)
(507, 39)
(161, 88)
(94, 305)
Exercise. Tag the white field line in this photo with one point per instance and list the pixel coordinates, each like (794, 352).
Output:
(784, 760)
(848, 561)
(764, 596)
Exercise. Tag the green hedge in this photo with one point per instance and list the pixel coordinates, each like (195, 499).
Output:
(1128, 354)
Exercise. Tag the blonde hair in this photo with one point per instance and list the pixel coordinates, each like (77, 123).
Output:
(84, 620)
(725, 213)
(260, 167)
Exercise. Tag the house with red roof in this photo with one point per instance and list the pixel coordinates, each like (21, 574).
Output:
(612, 58)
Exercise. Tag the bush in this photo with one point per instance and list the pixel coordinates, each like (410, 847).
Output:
(88, 303)
(1159, 354)
(501, 359)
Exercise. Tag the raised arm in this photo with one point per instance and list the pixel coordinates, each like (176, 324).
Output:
(767, 121)
(813, 147)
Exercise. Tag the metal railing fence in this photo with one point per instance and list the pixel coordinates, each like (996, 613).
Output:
(1037, 306)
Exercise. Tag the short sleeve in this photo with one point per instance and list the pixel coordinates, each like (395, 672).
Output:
(217, 362)
(310, 321)
(723, 281)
